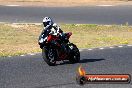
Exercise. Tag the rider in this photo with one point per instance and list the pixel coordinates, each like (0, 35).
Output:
(49, 28)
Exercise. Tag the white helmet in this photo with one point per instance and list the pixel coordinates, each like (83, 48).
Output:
(47, 21)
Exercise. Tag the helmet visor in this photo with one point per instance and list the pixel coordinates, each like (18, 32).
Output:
(45, 24)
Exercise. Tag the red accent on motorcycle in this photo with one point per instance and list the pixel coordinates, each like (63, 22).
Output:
(49, 38)
(69, 34)
(52, 37)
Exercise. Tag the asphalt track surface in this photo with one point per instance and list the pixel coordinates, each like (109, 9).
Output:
(30, 71)
(90, 14)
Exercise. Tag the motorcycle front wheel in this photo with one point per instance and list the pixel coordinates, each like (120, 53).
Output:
(49, 56)
(75, 54)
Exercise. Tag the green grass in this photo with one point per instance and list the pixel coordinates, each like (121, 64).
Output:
(22, 38)
(86, 36)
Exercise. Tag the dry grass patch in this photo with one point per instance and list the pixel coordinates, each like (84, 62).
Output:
(86, 36)
(17, 39)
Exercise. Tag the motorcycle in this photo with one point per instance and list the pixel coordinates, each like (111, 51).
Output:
(56, 50)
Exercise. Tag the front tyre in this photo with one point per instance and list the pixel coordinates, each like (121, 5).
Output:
(49, 56)
(75, 54)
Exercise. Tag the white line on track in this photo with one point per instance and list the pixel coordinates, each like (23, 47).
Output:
(22, 55)
(31, 54)
(120, 46)
(90, 49)
(111, 47)
(12, 5)
(9, 56)
(101, 48)
(80, 50)
(129, 45)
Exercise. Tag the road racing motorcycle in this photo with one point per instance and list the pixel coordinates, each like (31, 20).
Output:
(57, 50)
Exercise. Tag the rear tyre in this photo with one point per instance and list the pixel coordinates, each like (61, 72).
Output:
(49, 56)
(75, 54)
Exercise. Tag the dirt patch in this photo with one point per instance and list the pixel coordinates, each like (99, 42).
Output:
(62, 3)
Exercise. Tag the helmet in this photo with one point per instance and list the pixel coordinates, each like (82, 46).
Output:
(47, 21)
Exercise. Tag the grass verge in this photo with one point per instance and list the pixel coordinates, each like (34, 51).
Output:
(17, 39)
